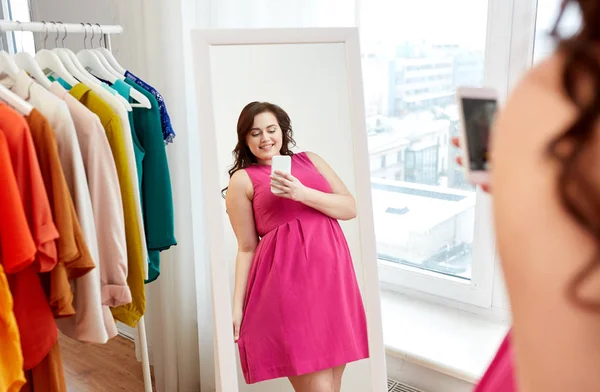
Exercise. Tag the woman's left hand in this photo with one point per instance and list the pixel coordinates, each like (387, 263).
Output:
(290, 186)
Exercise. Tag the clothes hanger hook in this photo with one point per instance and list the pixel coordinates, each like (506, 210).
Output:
(101, 35)
(93, 35)
(45, 32)
(85, 37)
(21, 29)
(57, 34)
(63, 39)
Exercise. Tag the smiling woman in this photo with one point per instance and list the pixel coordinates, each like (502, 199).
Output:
(286, 240)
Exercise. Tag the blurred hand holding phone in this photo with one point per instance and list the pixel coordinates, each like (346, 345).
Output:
(477, 107)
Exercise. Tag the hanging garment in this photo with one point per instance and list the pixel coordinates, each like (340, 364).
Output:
(74, 258)
(48, 376)
(124, 90)
(130, 148)
(44, 231)
(11, 358)
(109, 98)
(105, 193)
(56, 112)
(136, 273)
(115, 135)
(167, 128)
(134, 154)
(157, 198)
(153, 172)
(17, 251)
(37, 328)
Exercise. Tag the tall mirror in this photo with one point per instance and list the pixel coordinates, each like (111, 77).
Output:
(287, 193)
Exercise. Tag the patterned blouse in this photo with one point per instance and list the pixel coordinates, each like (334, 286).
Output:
(167, 129)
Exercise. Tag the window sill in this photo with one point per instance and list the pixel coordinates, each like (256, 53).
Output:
(451, 341)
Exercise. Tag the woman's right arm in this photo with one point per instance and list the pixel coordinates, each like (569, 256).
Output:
(241, 216)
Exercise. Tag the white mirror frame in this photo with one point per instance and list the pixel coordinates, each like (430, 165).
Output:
(202, 40)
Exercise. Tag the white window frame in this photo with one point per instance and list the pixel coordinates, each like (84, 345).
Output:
(8, 40)
(5, 38)
(508, 54)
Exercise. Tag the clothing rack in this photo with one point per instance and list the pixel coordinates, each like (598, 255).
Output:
(63, 28)
(105, 31)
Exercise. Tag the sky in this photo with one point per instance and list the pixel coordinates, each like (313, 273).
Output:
(435, 21)
(462, 22)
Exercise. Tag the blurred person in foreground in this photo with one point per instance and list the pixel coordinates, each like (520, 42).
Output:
(545, 180)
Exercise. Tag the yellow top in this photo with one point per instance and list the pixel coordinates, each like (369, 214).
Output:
(12, 377)
(131, 313)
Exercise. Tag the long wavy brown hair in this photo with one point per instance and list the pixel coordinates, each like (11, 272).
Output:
(242, 156)
(578, 195)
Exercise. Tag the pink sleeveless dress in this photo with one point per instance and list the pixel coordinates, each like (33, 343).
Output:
(500, 375)
(303, 311)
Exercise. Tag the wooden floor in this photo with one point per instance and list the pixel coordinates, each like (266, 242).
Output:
(107, 367)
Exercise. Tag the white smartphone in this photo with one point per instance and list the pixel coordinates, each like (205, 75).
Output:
(282, 163)
(477, 107)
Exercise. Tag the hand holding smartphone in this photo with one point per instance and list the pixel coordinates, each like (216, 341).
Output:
(477, 107)
(282, 163)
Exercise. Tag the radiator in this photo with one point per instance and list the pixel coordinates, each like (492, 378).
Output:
(397, 386)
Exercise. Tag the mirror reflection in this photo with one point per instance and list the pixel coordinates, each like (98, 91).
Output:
(286, 160)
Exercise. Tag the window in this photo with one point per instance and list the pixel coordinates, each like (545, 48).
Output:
(433, 229)
(16, 41)
(442, 242)
(547, 12)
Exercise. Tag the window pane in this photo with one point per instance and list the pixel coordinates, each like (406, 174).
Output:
(414, 54)
(22, 40)
(547, 12)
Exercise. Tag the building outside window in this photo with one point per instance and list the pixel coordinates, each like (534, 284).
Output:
(433, 228)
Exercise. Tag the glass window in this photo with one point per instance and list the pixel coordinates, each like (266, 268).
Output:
(414, 54)
(17, 41)
(547, 12)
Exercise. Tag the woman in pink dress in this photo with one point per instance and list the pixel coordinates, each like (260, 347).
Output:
(297, 309)
(546, 186)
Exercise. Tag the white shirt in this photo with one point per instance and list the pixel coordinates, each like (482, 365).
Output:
(89, 322)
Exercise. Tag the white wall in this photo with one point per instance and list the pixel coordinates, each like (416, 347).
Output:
(72, 11)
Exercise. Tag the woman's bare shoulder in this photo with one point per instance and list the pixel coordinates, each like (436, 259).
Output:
(239, 177)
(240, 183)
(537, 110)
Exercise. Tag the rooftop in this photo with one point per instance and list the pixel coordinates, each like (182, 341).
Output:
(401, 208)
